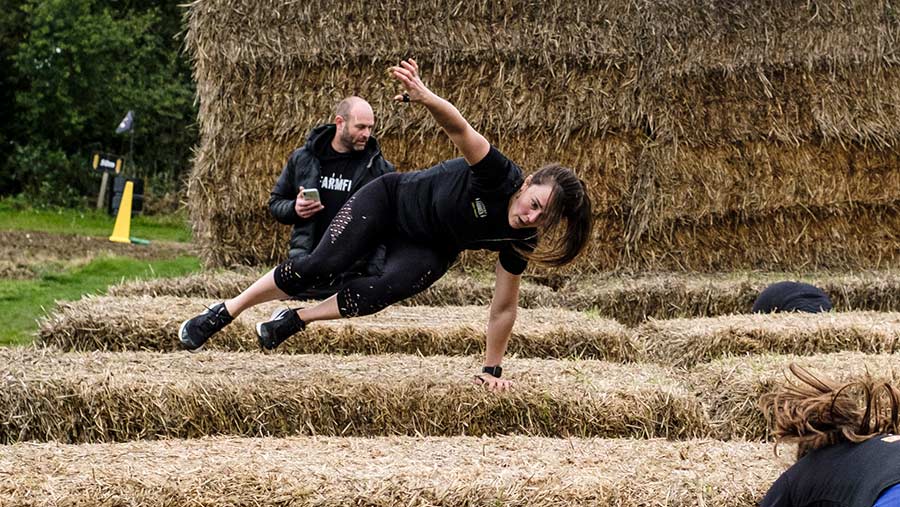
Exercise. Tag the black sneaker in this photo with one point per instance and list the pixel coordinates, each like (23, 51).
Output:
(283, 324)
(193, 333)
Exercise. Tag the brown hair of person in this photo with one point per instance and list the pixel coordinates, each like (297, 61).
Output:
(816, 412)
(567, 228)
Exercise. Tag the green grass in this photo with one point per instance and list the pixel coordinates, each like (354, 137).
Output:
(16, 215)
(24, 301)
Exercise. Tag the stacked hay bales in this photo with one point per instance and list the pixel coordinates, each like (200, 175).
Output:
(712, 137)
(548, 81)
(774, 125)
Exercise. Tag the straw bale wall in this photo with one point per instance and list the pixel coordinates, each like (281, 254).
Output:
(687, 342)
(96, 397)
(855, 236)
(713, 136)
(390, 472)
(145, 323)
(730, 388)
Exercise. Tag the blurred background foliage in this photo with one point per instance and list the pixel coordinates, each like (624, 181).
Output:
(69, 72)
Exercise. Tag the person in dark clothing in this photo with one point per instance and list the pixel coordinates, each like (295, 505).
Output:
(426, 218)
(791, 297)
(337, 160)
(848, 447)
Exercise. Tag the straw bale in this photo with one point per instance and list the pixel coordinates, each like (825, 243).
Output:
(236, 228)
(798, 238)
(456, 288)
(103, 396)
(631, 299)
(752, 178)
(687, 342)
(627, 298)
(784, 103)
(390, 472)
(151, 323)
(687, 36)
(266, 32)
(283, 102)
(731, 387)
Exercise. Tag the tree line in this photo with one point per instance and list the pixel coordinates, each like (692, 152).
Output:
(69, 72)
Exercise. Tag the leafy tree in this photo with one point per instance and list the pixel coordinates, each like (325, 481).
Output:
(81, 65)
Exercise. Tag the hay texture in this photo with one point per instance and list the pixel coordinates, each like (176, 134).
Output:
(758, 135)
(390, 472)
(730, 388)
(146, 323)
(687, 342)
(627, 298)
(264, 83)
(632, 299)
(101, 397)
(453, 289)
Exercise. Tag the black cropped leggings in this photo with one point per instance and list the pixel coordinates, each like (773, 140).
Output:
(365, 221)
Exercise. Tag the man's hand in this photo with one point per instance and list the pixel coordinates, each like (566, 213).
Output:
(306, 208)
(493, 383)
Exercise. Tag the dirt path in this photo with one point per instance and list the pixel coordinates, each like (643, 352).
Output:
(24, 253)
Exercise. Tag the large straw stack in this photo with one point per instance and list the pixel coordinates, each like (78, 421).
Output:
(712, 136)
(544, 81)
(774, 125)
(389, 472)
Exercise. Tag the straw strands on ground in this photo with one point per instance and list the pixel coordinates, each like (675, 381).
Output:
(91, 397)
(687, 342)
(390, 472)
(629, 299)
(145, 323)
(730, 388)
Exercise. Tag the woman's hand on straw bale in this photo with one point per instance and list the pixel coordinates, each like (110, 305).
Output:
(408, 75)
(493, 383)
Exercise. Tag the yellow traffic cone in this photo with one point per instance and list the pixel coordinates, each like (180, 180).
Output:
(122, 229)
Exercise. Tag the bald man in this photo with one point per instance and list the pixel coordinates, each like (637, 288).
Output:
(336, 161)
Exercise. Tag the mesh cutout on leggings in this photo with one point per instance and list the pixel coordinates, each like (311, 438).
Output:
(340, 221)
(348, 303)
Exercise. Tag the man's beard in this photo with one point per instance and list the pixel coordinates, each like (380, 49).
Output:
(347, 142)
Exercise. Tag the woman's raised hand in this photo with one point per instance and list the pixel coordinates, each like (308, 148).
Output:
(408, 75)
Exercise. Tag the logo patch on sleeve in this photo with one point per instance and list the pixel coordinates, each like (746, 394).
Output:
(479, 208)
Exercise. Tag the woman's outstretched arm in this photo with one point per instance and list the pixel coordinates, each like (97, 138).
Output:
(470, 143)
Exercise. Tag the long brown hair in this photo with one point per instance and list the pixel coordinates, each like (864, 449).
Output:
(817, 412)
(567, 228)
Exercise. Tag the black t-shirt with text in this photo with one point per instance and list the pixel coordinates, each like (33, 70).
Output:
(335, 183)
(841, 475)
(460, 207)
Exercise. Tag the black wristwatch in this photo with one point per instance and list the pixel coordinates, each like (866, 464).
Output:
(494, 371)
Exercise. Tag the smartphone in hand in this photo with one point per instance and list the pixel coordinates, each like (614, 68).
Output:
(310, 194)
